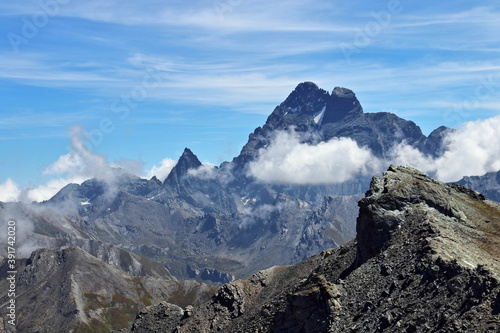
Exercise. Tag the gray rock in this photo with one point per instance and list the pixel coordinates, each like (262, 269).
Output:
(163, 317)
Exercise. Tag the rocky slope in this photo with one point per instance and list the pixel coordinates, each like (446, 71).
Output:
(426, 258)
(71, 291)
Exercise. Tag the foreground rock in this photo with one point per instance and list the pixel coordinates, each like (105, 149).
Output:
(425, 259)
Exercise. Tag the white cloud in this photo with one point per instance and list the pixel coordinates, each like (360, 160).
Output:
(473, 149)
(9, 191)
(81, 164)
(205, 171)
(161, 172)
(288, 160)
(80, 161)
(404, 154)
(76, 166)
(49, 189)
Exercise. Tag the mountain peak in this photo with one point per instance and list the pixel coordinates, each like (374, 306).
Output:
(342, 102)
(188, 155)
(307, 97)
(307, 86)
(309, 109)
(343, 92)
(187, 161)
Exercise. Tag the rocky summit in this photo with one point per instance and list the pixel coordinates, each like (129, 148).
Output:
(425, 259)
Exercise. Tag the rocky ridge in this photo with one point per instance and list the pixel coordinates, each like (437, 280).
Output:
(53, 229)
(425, 259)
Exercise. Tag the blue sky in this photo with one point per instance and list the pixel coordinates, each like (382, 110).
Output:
(146, 79)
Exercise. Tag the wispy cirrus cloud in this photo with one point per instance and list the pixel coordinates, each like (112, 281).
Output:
(198, 14)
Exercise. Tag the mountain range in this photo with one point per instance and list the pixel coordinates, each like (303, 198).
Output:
(216, 224)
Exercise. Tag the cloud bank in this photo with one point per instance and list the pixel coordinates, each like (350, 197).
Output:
(472, 149)
(287, 160)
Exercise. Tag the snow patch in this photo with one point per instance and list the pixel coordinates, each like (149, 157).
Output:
(246, 200)
(318, 117)
(153, 197)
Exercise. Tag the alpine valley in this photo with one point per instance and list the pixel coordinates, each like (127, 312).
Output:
(99, 252)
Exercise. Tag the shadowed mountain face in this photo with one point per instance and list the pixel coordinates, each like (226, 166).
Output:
(425, 259)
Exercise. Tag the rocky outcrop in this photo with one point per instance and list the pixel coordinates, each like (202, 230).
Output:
(207, 274)
(393, 197)
(163, 317)
(425, 259)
